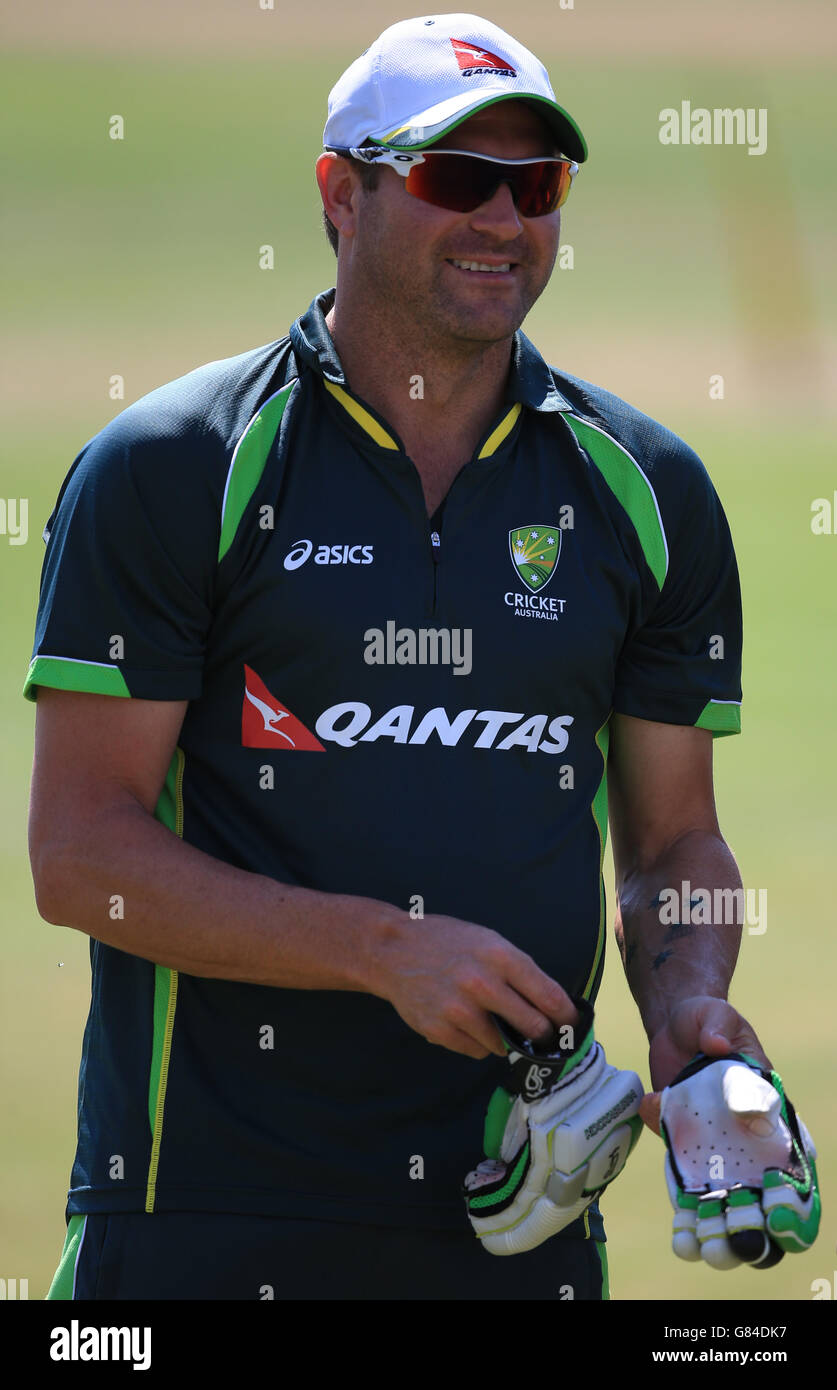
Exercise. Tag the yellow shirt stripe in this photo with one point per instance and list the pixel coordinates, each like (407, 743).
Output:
(504, 428)
(362, 417)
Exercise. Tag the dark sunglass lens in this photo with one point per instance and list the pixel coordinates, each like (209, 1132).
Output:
(461, 184)
(541, 188)
(458, 184)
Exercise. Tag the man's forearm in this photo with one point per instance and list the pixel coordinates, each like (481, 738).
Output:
(668, 956)
(128, 881)
(119, 875)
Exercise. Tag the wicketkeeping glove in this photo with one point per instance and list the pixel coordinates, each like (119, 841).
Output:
(739, 1165)
(557, 1132)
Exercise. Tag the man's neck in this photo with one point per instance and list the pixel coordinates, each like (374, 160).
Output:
(439, 401)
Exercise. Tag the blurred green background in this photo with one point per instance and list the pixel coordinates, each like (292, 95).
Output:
(140, 258)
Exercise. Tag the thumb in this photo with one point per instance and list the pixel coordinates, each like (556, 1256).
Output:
(714, 1042)
(649, 1110)
(719, 1027)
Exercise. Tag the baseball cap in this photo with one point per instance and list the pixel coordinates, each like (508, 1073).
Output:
(423, 77)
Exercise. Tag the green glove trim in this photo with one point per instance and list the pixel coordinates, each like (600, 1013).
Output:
(577, 1056)
(788, 1228)
(512, 1182)
(499, 1109)
(789, 1232)
(687, 1201)
(636, 1127)
(774, 1178)
(742, 1197)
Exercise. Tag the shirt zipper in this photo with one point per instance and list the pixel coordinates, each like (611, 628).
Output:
(436, 550)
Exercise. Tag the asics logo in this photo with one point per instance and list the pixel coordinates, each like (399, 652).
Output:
(302, 550)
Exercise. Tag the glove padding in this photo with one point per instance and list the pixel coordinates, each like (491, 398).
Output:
(557, 1132)
(739, 1165)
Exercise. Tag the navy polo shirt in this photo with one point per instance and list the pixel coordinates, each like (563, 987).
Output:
(378, 705)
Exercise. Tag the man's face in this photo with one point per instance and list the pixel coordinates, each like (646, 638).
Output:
(406, 250)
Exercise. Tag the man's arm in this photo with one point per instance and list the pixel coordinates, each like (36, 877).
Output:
(665, 833)
(100, 764)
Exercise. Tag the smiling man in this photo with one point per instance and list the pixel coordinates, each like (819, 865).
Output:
(438, 292)
(299, 868)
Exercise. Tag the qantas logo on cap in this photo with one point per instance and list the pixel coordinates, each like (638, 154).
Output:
(266, 723)
(473, 60)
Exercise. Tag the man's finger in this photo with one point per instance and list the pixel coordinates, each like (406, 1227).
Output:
(718, 1020)
(716, 1028)
(735, 1036)
(649, 1110)
(536, 1006)
(714, 1043)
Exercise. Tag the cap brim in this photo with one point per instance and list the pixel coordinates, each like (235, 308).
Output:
(426, 127)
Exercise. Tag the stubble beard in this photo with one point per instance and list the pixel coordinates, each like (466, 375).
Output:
(424, 312)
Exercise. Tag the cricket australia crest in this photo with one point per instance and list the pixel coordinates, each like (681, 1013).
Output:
(534, 551)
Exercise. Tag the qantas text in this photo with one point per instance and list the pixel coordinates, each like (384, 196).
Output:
(351, 723)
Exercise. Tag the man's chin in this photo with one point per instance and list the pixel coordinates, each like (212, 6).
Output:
(487, 317)
(484, 328)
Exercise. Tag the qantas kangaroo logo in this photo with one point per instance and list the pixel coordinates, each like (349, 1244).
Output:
(472, 60)
(261, 714)
(269, 715)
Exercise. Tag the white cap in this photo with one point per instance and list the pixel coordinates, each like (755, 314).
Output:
(424, 76)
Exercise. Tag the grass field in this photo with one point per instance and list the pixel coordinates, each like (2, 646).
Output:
(140, 258)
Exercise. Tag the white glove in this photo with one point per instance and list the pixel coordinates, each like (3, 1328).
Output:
(739, 1165)
(557, 1132)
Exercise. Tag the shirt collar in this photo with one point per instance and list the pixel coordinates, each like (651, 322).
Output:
(312, 342)
(530, 379)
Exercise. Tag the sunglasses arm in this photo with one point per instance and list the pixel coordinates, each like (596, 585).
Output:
(402, 163)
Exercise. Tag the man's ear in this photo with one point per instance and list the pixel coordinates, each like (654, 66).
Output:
(339, 184)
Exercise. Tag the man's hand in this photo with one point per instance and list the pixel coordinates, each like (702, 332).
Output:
(446, 977)
(700, 1024)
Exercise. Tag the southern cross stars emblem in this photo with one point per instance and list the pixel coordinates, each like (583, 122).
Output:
(534, 551)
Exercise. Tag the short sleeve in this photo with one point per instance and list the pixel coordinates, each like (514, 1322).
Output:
(682, 663)
(127, 582)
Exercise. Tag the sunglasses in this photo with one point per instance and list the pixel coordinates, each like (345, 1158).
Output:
(461, 181)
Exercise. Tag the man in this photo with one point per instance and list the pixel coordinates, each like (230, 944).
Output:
(302, 848)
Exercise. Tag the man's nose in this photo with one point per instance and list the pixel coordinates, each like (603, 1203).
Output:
(498, 214)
